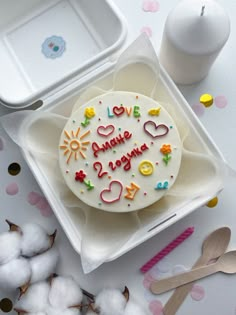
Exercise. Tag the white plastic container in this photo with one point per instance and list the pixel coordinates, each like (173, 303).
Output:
(47, 77)
(45, 45)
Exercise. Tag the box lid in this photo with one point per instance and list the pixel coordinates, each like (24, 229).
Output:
(44, 45)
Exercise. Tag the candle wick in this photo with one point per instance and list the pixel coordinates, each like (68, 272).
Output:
(203, 9)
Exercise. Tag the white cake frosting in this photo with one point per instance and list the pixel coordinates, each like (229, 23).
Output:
(120, 152)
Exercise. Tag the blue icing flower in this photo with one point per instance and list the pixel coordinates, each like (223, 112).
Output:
(53, 47)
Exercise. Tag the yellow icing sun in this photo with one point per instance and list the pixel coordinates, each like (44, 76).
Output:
(73, 146)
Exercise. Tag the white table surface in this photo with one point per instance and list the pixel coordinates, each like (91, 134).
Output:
(219, 290)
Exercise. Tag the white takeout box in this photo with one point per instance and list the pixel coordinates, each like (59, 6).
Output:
(50, 51)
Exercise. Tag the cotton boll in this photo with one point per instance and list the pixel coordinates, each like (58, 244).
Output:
(15, 273)
(9, 246)
(35, 240)
(43, 265)
(65, 292)
(110, 301)
(35, 299)
(57, 311)
(134, 308)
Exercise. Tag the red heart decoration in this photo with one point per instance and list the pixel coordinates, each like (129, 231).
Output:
(105, 131)
(118, 110)
(115, 185)
(154, 130)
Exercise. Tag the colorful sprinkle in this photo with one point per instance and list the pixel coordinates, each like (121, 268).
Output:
(100, 102)
(206, 100)
(133, 175)
(221, 101)
(73, 121)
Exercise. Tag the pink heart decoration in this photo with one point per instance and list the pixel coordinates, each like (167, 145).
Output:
(151, 6)
(154, 130)
(105, 131)
(113, 193)
(118, 110)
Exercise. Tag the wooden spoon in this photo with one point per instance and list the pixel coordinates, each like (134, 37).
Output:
(213, 247)
(226, 263)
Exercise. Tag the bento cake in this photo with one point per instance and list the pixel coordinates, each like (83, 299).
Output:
(120, 152)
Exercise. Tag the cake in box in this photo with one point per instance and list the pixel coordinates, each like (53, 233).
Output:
(120, 152)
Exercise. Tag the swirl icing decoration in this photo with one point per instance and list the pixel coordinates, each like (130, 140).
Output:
(116, 152)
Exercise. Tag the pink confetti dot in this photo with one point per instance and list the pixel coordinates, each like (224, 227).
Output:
(1, 144)
(46, 212)
(151, 6)
(198, 109)
(221, 101)
(42, 204)
(197, 292)
(12, 189)
(33, 198)
(147, 30)
(148, 279)
(156, 307)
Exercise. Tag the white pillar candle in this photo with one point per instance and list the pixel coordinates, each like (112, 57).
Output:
(194, 34)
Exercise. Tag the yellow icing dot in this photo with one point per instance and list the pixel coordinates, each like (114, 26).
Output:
(89, 112)
(212, 203)
(206, 100)
(146, 168)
